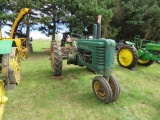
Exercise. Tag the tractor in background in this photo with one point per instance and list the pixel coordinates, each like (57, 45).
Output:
(140, 51)
(11, 51)
(97, 54)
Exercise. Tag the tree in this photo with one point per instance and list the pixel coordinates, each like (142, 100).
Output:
(51, 13)
(4, 9)
(83, 14)
(135, 17)
(152, 18)
(24, 28)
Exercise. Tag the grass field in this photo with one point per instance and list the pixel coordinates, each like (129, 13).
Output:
(38, 97)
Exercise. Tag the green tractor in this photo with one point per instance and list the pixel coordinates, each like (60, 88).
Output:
(141, 51)
(97, 55)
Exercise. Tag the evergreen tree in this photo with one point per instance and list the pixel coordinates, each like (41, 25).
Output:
(136, 17)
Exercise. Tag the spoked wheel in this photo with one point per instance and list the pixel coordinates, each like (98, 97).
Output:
(56, 59)
(145, 62)
(115, 86)
(127, 56)
(11, 68)
(102, 89)
(14, 62)
(3, 99)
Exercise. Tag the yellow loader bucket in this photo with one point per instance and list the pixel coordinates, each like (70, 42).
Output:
(3, 99)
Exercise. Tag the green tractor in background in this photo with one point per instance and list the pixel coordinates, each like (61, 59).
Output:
(96, 54)
(141, 51)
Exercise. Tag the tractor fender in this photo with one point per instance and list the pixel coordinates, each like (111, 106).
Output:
(129, 43)
(5, 46)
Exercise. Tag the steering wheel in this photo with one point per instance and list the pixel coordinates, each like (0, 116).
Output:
(76, 33)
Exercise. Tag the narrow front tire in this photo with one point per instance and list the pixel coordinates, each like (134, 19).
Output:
(102, 89)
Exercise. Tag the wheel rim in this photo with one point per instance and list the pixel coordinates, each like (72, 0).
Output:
(3, 99)
(143, 61)
(125, 57)
(99, 90)
(52, 59)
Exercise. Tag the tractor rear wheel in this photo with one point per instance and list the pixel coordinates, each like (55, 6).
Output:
(11, 68)
(115, 86)
(102, 89)
(145, 62)
(56, 59)
(127, 56)
(3, 99)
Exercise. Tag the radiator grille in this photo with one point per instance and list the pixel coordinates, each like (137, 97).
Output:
(100, 55)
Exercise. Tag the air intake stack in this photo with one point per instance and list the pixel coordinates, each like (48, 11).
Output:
(97, 29)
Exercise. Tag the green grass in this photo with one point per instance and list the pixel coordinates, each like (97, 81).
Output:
(38, 97)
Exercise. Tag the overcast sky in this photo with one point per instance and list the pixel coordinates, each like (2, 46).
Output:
(34, 34)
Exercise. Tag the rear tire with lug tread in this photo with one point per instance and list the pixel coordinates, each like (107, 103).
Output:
(56, 59)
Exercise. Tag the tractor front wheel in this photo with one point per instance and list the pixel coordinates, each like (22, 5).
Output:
(115, 86)
(145, 62)
(56, 59)
(102, 89)
(127, 56)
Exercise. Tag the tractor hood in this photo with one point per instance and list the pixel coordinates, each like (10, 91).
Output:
(153, 47)
(5, 46)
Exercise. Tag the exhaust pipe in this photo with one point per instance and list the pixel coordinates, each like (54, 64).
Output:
(99, 27)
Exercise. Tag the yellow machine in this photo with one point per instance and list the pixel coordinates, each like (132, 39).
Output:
(20, 42)
(11, 50)
(3, 99)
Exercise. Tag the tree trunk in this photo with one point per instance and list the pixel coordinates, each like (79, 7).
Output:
(54, 27)
(28, 40)
(54, 23)
(146, 35)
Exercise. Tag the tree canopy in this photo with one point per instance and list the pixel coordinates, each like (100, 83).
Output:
(121, 19)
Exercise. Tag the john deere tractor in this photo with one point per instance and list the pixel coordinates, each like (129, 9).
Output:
(97, 54)
(141, 51)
